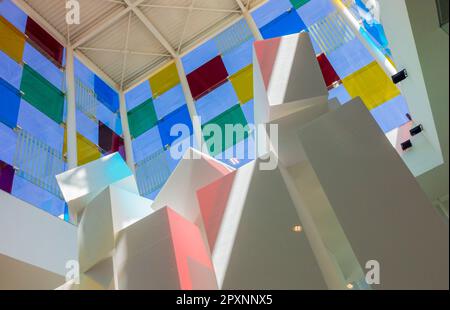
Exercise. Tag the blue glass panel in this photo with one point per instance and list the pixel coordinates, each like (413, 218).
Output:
(361, 5)
(169, 101)
(84, 74)
(147, 144)
(87, 127)
(200, 56)
(110, 119)
(269, 11)
(138, 95)
(248, 110)
(41, 64)
(233, 36)
(216, 102)
(13, 14)
(239, 57)
(340, 93)
(9, 104)
(391, 114)
(37, 197)
(377, 32)
(179, 116)
(8, 142)
(10, 70)
(315, 10)
(106, 94)
(287, 23)
(350, 58)
(173, 162)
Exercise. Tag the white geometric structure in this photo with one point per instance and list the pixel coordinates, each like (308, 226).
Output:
(291, 227)
(290, 97)
(80, 185)
(257, 245)
(396, 224)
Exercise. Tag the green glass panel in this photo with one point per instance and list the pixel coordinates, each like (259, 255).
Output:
(234, 116)
(142, 118)
(42, 94)
(298, 3)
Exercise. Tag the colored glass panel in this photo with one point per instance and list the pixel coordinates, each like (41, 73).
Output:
(233, 37)
(137, 95)
(147, 143)
(42, 94)
(87, 127)
(164, 80)
(169, 101)
(208, 77)
(106, 95)
(239, 57)
(8, 142)
(392, 114)
(270, 10)
(152, 172)
(216, 102)
(9, 104)
(243, 84)
(316, 10)
(108, 140)
(232, 117)
(6, 177)
(12, 41)
(349, 58)
(199, 56)
(38, 162)
(299, 3)
(42, 127)
(142, 118)
(329, 74)
(371, 84)
(180, 116)
(10, 70)
(44, 41)
(38, 197)
(15, 15)
(87, 151)
(331, 32)
(43, 65)
(287, 23)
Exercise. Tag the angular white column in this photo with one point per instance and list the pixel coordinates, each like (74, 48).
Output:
(190, 103)
(250, 21)
(71, 123)
(126, 132)
(379, 204)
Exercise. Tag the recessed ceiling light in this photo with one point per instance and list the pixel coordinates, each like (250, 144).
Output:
(297, 228)
(350, 286)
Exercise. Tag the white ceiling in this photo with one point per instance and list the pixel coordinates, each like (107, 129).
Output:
(127, 40)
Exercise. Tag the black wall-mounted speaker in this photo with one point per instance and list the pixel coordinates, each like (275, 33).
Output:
(416, 130)
(406, 145)
(400, 76)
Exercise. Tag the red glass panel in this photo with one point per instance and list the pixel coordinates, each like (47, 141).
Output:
(6, 177)
(108, 140)
(44, 41)
(329, 74)
(207, 78)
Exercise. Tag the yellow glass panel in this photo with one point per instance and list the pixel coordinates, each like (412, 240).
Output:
(371, 84)
(87, 151)
(164, 80)
(12, 41)
(243, 84)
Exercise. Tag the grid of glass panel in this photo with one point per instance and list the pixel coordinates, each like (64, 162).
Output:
(219, 73)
